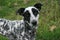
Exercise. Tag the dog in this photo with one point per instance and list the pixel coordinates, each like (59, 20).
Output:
(24, 29)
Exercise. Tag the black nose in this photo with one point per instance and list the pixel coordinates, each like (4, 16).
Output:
(34, 23)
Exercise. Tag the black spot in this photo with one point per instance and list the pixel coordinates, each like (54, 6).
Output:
(27, 27)
(5, 26)
(26, 36)
(2, 32)
(27, 16)
(13, 35)
(22, 29)
(35, 12)
(1, 20)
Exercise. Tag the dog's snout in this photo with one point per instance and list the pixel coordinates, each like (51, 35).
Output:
(34, 22)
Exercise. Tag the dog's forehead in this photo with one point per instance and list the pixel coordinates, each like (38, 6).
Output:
(30, 9)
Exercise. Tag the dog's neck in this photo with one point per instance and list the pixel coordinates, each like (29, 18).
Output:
(29, 31)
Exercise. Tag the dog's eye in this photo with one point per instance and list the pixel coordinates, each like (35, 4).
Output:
(27, 14)
(35, 12)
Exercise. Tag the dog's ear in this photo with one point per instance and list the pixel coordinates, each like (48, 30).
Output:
(20, 11)
(38, 6)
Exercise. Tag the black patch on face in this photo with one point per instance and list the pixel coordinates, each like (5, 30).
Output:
(26, 16)
(35, 12)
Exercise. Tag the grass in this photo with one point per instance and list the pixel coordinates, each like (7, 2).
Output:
(49, 20)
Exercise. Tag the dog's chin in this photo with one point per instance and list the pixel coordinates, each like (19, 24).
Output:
(34, 26)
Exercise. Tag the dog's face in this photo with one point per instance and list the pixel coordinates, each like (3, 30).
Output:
(31, 14)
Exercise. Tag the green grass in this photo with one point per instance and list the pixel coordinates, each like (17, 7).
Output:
(49, 20)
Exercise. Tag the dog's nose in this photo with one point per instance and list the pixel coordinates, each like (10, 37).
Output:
(34, 23)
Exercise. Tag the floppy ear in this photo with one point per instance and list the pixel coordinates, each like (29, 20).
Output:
(20, 11)
(38, 6)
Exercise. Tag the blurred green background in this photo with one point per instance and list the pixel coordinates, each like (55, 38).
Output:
(49, 20)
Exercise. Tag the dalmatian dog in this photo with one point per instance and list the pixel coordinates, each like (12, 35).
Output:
(24, 29)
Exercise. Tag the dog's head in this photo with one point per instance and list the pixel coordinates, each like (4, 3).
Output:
(31, 14)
